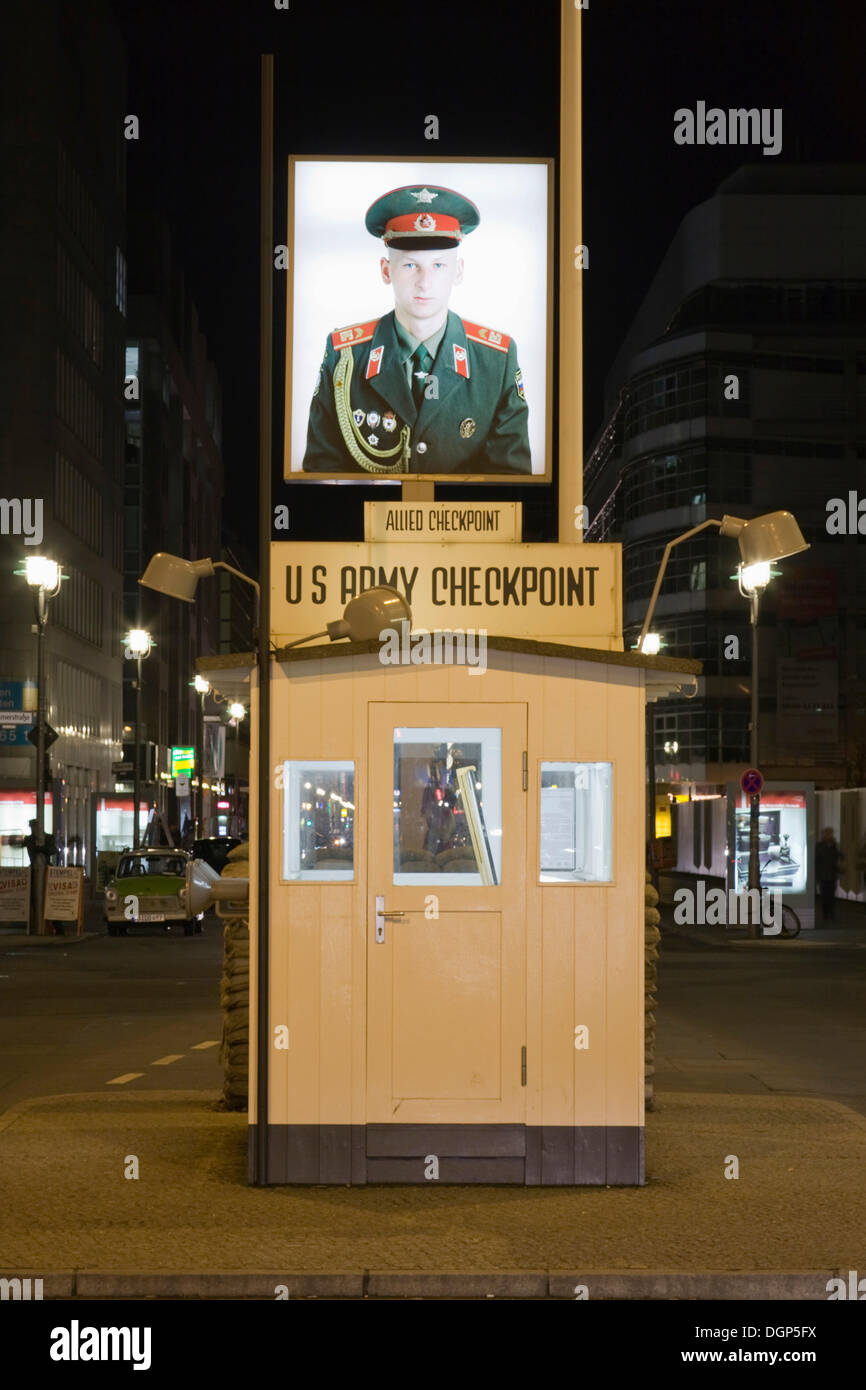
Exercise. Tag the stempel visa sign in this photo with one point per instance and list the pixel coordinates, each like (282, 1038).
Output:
(560, 593)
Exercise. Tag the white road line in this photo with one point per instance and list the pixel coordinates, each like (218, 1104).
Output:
(165, 1061)
(122, 1080)
(200, 1047)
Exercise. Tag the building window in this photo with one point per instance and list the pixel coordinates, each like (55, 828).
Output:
(77, 503)
(78, 608)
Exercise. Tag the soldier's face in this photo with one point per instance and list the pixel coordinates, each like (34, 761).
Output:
(422, 280)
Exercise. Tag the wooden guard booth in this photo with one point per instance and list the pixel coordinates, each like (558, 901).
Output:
(456, 916)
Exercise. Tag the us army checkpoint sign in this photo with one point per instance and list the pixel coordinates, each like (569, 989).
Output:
(560, 593)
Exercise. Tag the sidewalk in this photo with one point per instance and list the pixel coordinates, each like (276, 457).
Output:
(191, 1226)
(94, 925)
(849, 929)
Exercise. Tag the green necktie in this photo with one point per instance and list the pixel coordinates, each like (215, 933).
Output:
(422, 364)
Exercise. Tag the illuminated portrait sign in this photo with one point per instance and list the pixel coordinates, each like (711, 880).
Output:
(419, 326)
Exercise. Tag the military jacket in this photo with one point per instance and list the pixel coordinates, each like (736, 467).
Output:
(472, 417)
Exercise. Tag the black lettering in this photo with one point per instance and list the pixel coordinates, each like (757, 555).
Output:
(296, 598)
(474, 586)
(575, 587)
(488, 575)
(319, 572)
(530, 573)
(439, 570)
(592, 571)
(348, 583)
(509, 587)
(458, 585)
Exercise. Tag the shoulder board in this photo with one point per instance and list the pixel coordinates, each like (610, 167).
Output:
(488, 336)
(357, 333)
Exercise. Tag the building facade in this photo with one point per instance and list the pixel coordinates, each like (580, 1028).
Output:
(62, 337)
(741, 388)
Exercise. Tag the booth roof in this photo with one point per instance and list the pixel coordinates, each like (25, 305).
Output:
(530, 646)
(230, 673)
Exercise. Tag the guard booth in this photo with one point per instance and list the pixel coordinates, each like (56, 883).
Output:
(456, 892)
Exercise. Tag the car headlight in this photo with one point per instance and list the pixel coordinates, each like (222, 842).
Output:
(111, 895)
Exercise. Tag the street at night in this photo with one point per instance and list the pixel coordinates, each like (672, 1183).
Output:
(432, 674)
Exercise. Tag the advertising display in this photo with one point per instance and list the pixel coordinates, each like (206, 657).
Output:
(419, 325)
(786, 838)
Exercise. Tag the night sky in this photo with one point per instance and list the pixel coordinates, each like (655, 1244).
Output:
(360, 79)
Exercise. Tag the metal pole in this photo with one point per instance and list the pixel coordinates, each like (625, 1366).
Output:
(136, 795)
(261, 828)
(39, 847)
(754, 801)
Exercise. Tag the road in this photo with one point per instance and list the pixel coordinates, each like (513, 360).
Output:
(77, 1018)
(767, 1020)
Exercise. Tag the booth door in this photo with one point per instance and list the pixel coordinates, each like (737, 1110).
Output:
(446, 989)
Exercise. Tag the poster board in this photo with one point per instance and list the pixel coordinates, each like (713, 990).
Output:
(15, 895)
(64, 896)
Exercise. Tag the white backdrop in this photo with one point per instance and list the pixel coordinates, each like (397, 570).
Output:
(337, 280)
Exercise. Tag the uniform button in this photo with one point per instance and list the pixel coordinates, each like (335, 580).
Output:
(421, 448)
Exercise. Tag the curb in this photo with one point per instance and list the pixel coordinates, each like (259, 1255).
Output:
(600, 1286)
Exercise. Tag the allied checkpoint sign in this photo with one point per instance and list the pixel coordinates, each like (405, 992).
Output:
(546, 592)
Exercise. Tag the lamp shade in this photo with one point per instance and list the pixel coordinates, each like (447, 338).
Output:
(371, 612)
(174, 576)
(770, 537)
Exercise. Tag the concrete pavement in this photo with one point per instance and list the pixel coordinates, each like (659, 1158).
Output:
(794, 1218)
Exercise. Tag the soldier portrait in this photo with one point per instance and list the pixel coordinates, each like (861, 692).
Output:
(418, 387)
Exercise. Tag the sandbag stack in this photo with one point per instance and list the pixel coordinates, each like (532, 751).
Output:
(235, 994)
(652, 936)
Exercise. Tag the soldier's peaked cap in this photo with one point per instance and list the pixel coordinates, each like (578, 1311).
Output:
(422, 216)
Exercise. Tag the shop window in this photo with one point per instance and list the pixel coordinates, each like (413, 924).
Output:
(447, 806)
(318, 821)
(576, 823)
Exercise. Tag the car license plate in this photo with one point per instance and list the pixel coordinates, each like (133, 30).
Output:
(150, 917)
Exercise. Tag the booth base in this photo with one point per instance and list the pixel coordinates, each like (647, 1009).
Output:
(526, 1155)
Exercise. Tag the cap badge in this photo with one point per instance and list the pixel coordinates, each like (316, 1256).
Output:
(423, 195)
(467, 428)
(425, 223)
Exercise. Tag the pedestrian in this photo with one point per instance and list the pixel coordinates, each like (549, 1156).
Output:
(419, 389)
(828, 864)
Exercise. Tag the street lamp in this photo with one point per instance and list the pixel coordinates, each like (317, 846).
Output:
(137, 645)
(237, 712)
(44, 577)
(202, 687)
(762, 539)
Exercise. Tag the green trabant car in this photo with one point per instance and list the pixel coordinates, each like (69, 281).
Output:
(149, 886)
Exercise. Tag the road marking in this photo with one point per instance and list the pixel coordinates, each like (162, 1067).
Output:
(165, 1061)
(122, 1080)
(200, 1047)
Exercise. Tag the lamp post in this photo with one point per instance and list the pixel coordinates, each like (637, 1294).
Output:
(237, 712)
(762, 539)
(202, 687)
(363, 618)
(44, 577)
(137, 645)
(752, 581)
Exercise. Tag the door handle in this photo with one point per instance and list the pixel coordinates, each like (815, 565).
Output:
(382, 917)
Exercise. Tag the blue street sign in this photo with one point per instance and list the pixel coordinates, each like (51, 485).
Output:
(15, 722)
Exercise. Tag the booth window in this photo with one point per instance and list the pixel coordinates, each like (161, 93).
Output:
(576, 823)
(447, 806)
(318, 821)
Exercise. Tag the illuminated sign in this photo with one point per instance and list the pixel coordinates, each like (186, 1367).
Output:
(182, 760)
(420, 320)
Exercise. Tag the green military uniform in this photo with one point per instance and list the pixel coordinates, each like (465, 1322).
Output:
(472, 417)
(379, 407)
